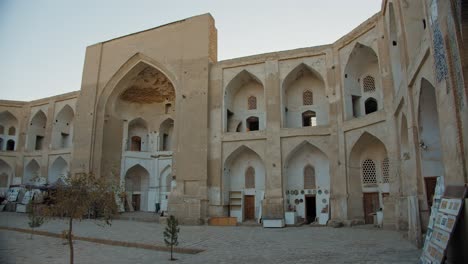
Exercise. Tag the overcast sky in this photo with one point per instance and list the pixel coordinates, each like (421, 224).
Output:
(43, 42)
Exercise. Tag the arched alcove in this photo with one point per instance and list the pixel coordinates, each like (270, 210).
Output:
(303, 90)
(415, 25)
(138, 135)
(36, 131)
(362, 62)
(142, 93)
(8, 125)
(395, 48)
(32, 172)
(58, 170)
(238, 101)
(6, 173)
(136, 186)
(166, 183)
(366, 182)
(62, 129)
(304, 163)
(234, 186)
(404, 145)
(429, 132)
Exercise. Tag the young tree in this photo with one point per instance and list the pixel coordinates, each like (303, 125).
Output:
(171, 233)
(79, 195)
(35, 218)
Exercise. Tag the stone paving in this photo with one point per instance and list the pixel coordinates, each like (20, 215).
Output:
(242, 244)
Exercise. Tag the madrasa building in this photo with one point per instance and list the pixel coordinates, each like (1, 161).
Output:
(328, 133)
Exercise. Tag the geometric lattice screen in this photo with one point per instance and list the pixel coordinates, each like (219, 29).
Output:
(368, 84)
(385, 171)
(368, 172)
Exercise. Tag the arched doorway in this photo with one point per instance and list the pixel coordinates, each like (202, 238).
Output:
(244, 198)
(166, 186)
(36, 131)
(368, 177)
(138, 135)
(306, 182)
(136, 186)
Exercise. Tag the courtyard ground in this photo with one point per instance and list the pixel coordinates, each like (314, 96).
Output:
(242, 244)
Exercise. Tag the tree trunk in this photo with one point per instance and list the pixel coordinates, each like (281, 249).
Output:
(70, 240)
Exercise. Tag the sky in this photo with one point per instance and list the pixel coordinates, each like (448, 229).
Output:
(43, 42)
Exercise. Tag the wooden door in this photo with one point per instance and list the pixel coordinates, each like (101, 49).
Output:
(371, 205)
(430, 183)
(249, 207)
(136, 202)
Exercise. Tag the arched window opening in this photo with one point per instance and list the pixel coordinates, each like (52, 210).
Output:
(386, 170)
(2, 130)
(250, 178)
(309, 118)
(368, 84)
(307, 98)
(1, 143)
(309, 177)
(252, 103)
(136, 143)
(166, 135)
(165, 142)
(369, 174)
(371, 105)
(10, 145)
(39, 143)
(253, 123)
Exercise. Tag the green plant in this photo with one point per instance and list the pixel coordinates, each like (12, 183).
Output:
(171, 234)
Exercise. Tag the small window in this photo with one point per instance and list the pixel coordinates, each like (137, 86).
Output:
(252, 123)
(135, 144)
(167, 108)
(371, 105)
(39, 142)
(309, 118)
(252, 103)
(250, 178)
(165, 142)
(368, 84)
(385, 171)
(368, 172)
(2, 130)
(65, 137)
(309, 177)
(10, 145)
(307, 98)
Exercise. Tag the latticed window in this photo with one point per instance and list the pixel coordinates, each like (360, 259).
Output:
(309, 177)
(368, 83)
(250, 178)
(307, 98)
(369, 172)
(385, 171)
(252, 103)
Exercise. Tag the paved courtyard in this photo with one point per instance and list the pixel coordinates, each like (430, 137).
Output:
(242, 244)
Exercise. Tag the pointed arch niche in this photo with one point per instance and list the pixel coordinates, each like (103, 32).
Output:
(304, 163)
(62, 130)
(8, 131)
(32, 171)
(368, 171)
(58, 170)
(239, 102)
(303, 90)
(429, 132)
(6, 174)
(363, 64)
(241, 162)
(36, 132)
(134, 103)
